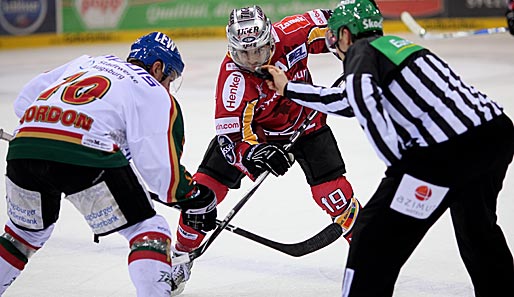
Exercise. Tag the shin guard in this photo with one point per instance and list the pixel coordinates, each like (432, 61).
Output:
(335, 197)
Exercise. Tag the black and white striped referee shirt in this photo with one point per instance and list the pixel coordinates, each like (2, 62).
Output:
(419, 102)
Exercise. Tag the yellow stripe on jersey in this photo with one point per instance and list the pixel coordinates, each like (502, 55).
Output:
(316, 33)
(248, 113)
(174, 159)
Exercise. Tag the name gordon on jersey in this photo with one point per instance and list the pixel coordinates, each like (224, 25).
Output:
(54, 114)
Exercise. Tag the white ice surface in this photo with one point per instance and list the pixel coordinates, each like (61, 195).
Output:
(72, 265)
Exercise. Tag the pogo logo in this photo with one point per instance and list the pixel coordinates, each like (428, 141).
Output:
(101, 14)
(22, 17)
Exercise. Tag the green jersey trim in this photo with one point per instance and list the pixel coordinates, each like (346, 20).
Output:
(64, 152)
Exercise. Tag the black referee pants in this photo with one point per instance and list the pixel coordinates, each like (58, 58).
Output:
(473, 167)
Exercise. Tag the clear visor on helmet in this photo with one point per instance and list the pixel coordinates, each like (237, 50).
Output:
(251, 57)
(174, 82)
(331, 40)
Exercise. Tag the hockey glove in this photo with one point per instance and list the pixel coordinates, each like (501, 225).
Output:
(199, 210)
(267, 157)
(510, 21)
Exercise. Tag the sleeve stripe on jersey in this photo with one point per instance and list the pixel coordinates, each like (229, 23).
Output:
(316, 34)
(375, 123)
(326, 100)
(248, 114)
(174, 159)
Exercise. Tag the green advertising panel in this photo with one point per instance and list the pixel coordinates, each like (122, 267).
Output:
(109, 15)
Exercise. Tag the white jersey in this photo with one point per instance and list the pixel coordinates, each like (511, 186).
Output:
(92, 109)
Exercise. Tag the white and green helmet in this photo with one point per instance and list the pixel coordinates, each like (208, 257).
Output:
(359, 16)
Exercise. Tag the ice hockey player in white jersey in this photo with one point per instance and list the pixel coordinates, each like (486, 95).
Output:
(80, 127)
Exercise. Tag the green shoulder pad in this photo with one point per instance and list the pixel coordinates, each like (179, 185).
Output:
(395, 48)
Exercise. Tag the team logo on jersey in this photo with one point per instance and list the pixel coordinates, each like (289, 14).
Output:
(417, 198)
(233, 91)
(318, 17)
(292, 24)
(227, 125)
(227, 148)
(296, 55)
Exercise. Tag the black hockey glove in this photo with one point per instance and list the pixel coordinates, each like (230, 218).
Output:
(267, 157)
(510, 21)
(199, 211)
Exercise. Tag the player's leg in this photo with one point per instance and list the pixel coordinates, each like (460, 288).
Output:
(149, 261)
(320, 158)
(114, 200)
(384, 236)
(217, 174)
(32, 208)
(481, 242)
(16, 248)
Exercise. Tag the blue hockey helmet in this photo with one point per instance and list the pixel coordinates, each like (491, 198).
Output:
(157, 46)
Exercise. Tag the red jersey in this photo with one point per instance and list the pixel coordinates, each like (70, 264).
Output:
(247, 111)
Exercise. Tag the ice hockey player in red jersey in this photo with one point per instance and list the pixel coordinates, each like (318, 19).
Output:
(253, 122)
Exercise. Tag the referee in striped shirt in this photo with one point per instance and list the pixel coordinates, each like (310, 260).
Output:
(446, 146)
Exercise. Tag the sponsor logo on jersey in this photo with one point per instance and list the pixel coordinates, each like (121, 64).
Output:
(231, 67)
(417, 198)
(233, 91)
(300, 75)
(398, 43)
(227, 148)
(296, 55)
(318, 17)
(227, 125)
(292, 24)
(22, 17)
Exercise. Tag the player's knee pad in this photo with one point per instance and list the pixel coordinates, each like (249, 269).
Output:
(336, 198)
(333, 196)
(150, 239)
(188, 238)
(19, 245)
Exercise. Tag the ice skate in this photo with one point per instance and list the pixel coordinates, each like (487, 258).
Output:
(179, 275)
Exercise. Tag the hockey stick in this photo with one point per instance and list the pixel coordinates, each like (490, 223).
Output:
(417, 29)
(5, 136)
(322, 239)
(186, 258)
